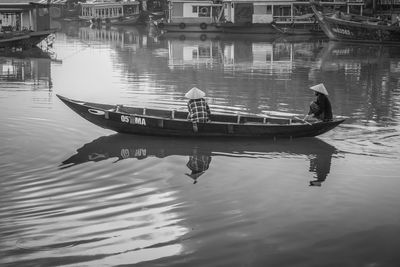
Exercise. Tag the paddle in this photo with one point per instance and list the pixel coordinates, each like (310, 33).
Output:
(303, 120)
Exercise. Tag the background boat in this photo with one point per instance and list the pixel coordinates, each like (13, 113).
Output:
(111, 12)
(342, 26)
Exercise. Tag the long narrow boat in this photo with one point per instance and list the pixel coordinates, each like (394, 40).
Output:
(341, 26)
(143, 121)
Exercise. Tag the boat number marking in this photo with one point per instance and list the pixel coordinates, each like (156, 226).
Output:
(139, 152)
(133, 120)
(96, 112)
(341, 31)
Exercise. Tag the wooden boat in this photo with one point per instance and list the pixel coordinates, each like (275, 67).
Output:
(110, 12)
(23, 39)
(143, 121)
(341, 26)
(191, 16)
(300, 25)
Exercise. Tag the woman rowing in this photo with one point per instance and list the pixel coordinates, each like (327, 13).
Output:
(321, 108)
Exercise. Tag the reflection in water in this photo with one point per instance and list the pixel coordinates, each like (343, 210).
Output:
(320, 164)
(242, 55)
(200, 152)
(198, 163)
(122, 37)
(30, 67)
(369, 74)
(251, 205)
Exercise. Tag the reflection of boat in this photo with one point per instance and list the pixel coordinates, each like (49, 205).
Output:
(34, 52)
(30, 67)
(111, 12)
(200, 151)
(194, 53)
(124, 36)
(174, 123)
(258, 55)
(348, 56)
(348, 27)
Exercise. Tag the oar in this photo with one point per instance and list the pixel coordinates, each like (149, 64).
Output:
(303, 120)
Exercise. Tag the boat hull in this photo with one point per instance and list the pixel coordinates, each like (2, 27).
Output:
(248, 28)
(116, 21)
(231, 28)
(346, 30)
(189, 27)
(173, 123)
(24, 40)
(298, 29)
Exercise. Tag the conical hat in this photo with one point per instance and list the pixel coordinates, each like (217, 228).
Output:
(320, 88)
(195, 93)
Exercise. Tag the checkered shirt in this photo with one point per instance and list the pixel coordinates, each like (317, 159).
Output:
(199, 111)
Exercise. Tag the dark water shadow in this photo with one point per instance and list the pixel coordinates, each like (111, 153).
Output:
(201, 151)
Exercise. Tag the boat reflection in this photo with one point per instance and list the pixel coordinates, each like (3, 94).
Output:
(374, 71)
(117, 36)
(201, 151)
(278, 56)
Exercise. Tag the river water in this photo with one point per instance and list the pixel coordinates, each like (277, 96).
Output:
(74, 194)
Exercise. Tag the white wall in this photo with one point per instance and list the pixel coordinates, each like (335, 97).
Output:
(187, 10)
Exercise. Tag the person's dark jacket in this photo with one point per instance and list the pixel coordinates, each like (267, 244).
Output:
(324, 110)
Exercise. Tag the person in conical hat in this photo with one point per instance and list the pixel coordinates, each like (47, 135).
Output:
(195, 93)
(199, 111)
(321, 108)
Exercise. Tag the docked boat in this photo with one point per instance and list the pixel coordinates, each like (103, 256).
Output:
(23, 39)
(301, 25)
(268, 17)
(109, 12)
(143, 121)
(20, 29)
(341, 26)
(192, 16)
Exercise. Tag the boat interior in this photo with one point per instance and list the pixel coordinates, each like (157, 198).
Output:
(215, 117)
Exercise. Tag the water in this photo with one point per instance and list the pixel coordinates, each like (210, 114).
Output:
(74, 194)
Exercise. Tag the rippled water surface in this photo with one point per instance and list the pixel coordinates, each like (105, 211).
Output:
(74, 194)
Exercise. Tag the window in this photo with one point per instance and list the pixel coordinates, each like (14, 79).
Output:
(194, 9)
(269, 10)
(204, 11)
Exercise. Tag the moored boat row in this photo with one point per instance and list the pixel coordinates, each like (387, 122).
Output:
(254, 17)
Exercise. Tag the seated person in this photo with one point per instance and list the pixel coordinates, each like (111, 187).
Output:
(199, 111)
(321, 108)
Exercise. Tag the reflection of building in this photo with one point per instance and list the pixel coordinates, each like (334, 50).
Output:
(29, 71)
(124, 37)
(279, 57)
(193, 53)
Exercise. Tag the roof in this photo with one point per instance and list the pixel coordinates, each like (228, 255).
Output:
(17, 2)
(25, 4)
